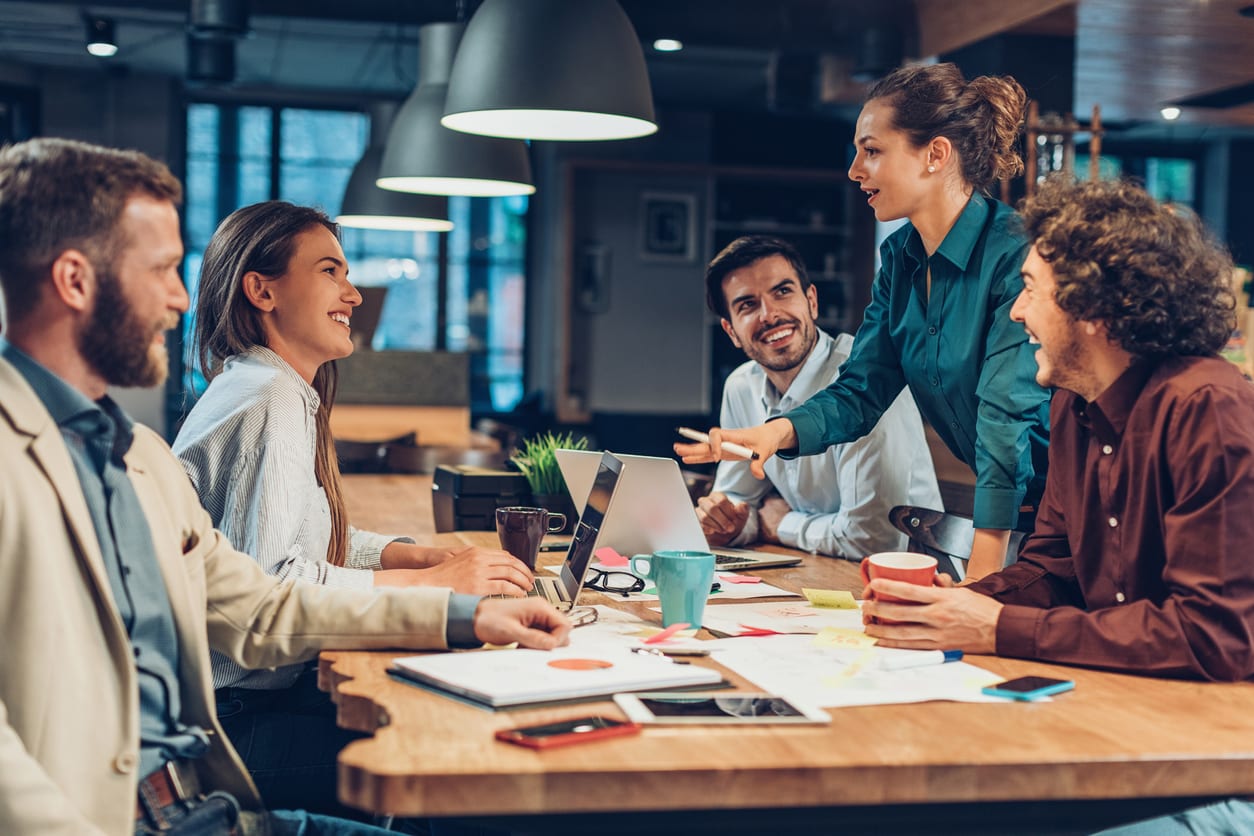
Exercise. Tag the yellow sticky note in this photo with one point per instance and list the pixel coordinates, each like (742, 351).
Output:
(842, 637)
(837, 599)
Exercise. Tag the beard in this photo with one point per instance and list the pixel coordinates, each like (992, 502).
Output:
(805, 338)
(117, 344)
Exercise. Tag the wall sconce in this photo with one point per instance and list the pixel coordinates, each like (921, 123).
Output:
(425, 157)
(101, 38)
(550, 69)
(367, 206)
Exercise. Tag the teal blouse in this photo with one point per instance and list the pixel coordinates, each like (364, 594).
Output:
(970, 368)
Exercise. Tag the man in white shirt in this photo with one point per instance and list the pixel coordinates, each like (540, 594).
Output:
(836, 503)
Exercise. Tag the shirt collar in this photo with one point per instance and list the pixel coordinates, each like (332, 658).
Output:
(803, 383)
(960, 242)
(264, 356)
(70, 408)
(1108, 413)
(63, 402)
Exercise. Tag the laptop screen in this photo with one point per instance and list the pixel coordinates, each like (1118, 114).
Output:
(595, 508)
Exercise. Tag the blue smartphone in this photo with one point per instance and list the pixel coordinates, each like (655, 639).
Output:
(1028, 687)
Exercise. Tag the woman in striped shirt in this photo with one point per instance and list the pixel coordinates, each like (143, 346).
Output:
(273, 314)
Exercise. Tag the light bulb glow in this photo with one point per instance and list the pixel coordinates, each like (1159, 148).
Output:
(549, 124)
(1170, 113)
(455, 186)
(668, 45)
(394, 224)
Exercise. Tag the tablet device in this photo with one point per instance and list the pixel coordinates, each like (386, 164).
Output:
(719, 708)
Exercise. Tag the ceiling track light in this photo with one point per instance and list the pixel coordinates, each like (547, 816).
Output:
(101, 37)
(550, 69)
(223, 18)
(210, 60)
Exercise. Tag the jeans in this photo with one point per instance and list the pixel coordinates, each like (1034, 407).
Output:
(1223, 818)
(289, 740)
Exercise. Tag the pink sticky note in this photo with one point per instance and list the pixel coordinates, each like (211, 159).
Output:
(609, 557)
(667, 632)
(729, 577)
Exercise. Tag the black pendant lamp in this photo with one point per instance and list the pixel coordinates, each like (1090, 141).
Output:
(367, 206)
(425, 157)
(550, 69)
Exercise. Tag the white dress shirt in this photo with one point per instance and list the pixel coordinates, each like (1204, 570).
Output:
(248, 446)
(840, 498)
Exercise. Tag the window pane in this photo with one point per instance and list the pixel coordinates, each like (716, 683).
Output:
(320, 148)
(1170, 180)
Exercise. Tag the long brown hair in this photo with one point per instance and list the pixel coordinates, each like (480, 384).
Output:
(261, 238)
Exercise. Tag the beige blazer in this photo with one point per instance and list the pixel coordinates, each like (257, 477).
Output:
(69, 702)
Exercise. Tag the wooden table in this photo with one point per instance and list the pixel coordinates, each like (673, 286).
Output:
(1116, 748)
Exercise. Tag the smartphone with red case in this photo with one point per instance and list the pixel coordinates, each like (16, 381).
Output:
(566, 732)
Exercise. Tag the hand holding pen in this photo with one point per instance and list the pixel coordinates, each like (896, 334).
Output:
(757, 444)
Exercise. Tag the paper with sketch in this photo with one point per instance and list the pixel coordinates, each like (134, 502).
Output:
(501, 678)
(834, 677)
(778, 617)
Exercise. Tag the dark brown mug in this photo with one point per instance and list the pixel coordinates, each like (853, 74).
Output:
(521, 529)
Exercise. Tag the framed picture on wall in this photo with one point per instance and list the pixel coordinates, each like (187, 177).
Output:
(668, 226)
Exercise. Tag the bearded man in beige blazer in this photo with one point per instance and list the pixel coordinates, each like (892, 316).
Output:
(114, 584)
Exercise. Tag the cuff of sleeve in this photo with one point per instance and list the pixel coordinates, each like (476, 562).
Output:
(806, 426)
(748, 534)
(996, 507)
(348, 577)
(460, 631)
(1016, 631)
(790, 527)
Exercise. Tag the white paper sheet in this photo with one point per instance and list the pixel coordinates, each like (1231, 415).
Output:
(794, 666)
(780, 616)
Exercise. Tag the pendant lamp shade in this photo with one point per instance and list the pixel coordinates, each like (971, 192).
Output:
(367, 206)
(425, 157)
(550, 69)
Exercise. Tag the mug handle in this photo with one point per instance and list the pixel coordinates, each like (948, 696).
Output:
(561, 522)
(647, 563)
(865, 571)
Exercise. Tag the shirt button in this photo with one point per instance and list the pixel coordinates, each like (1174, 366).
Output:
(1119, 596)
(953, 425)
(125, 762)
(1107, 449)
(931, 329)
(1113, 522)
(935, 381)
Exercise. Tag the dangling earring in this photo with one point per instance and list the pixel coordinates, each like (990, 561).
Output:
(931, 169)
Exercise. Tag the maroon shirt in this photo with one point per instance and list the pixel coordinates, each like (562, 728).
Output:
(1143, 555)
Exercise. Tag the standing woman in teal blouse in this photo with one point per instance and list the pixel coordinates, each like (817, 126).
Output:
(929, 145)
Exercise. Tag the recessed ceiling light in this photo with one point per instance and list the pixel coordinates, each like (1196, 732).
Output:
(1170, 113)
(668, 45)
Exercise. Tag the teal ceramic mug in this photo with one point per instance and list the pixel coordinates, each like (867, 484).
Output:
(683, 582)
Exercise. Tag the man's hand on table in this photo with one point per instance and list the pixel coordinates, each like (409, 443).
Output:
(473, 570)
(770, 516)
(941, 617)
(721, 519)
(532, 622)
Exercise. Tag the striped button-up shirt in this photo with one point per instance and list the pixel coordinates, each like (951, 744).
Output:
(248, 446)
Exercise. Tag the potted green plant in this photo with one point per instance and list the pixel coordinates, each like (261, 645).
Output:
(538, 463)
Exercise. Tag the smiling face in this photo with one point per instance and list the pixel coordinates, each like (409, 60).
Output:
(306, 312)
(1064, 359)
(770, 317)
(890, 171)
(138, 298)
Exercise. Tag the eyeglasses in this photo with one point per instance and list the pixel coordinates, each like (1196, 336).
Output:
(622, 583)
(582, 616)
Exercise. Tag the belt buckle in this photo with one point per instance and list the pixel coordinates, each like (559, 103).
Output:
(171, 769)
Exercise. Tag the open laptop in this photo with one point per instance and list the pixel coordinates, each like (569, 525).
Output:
(652, 510)
(598, 494)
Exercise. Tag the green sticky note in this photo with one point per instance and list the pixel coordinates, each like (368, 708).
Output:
(837, 599)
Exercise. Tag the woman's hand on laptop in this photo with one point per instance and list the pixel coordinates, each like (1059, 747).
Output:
(472, 570)
(532, 622)
(764, 439)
